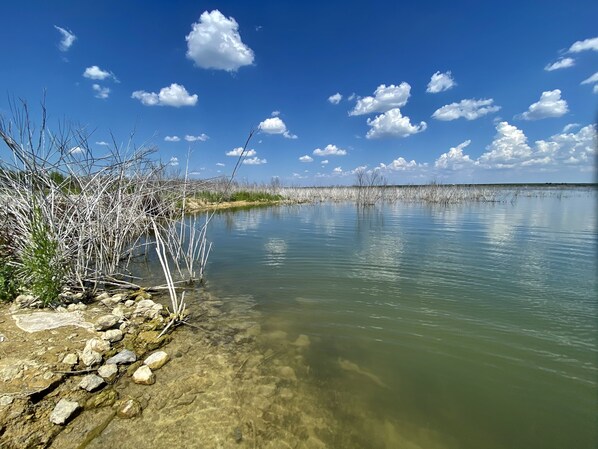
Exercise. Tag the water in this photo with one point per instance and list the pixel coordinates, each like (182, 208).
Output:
(465, 326)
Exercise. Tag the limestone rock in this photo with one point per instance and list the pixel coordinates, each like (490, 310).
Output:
(129, 303)
(70, 359)
(6, 400)
(102, 296)
(286, 372)
(148, 309)
(63, 411)
(106, 322)
(104, 398)
(128, 408)
(89, 357)
(124, 356)
(157, 360)
(98, 345)
(113, 335)
(108, 372)
(91, 382)
(144, 376)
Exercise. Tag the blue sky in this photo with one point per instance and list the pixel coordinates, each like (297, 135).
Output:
(452, 92)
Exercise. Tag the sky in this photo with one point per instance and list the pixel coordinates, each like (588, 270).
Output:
(451, 92)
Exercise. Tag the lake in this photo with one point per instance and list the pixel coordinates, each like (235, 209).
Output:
(459, 326)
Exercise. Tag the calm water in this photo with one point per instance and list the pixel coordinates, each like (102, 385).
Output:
(468, 326)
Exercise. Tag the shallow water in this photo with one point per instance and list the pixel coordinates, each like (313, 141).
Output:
(463, 326)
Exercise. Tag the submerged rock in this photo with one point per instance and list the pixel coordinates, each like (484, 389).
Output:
(128, 408)
(144, 376)
(148, 309)
(124, 356)
(91, 382)
(157, 360)
(63, 411)
(105, 398)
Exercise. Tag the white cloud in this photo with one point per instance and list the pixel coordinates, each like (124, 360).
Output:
(201, 138)
(592, 79)
(562, 63)
(393, 124)
(220, 164)
(595, 89)
(274, 125)
(549, 105)
(306, 158)
(330, 150)
(335, 99)
(95, 73)
(454, 159)
(384, 99)
(469, 109)
(76, 150)
(214, 43)
(68, 38)
(239, 151)
(103, 144)
(440, 82)
(254, 161)
(101, 92)
(337, 170)
(275, 113)
(172, 139)
(399, 164)
(588, 44)
(174, 161)
(175, 95)
(508, 148)
(324, 162)
(570, 126)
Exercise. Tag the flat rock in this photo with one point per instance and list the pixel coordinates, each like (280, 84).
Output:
(41, 321)
(63, 411)
(70, 359)
(108, 372)
(124, 356)
(157, 360)
(89, 357)
(91, 382)
(113, 335)
(106, 322)
(144, 376)
(98, 345)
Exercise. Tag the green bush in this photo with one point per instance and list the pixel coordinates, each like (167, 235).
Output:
(8, 280)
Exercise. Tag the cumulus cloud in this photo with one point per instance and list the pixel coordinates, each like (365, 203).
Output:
(399, 164)
(95, 73)
(68, 38)
(239, 151)
(324, 162)
(393, 124)
(588, 44)
(201, 138)
(306, 158)
(275, 125)
(384, 99)
(469, 109)
(76, 150)
(441, 82)
(215, 43)
(562, 63)
(549, 105)
(508, 148)
(337, 170)
(174, 161)
(275, 113)
(330, 150)
(101, 92)
(254, 161)
(175, 95)
(335, 99)
(172, 139)
(454, 159)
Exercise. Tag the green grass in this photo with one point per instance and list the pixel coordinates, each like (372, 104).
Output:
(241, 195)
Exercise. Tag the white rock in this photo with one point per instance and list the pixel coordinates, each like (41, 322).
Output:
(157, 360)
(70, 359)
(63, 411)
(148, 309)
(144, 376)
(124, 356)
(102, 296)
(5, 400)
(91, 382)
(113, 335)
(106, 322)
(98, 345)
(108, 372)
(129, 303)
(90, 357)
